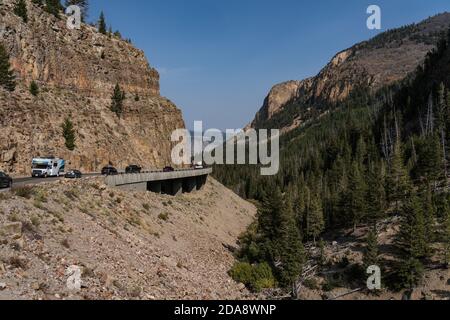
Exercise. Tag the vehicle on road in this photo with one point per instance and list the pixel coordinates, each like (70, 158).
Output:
(133, 169)
(5, 180)
(74, 174)
(168, 169)
(109, 171)
(198, 165)
(47, 167)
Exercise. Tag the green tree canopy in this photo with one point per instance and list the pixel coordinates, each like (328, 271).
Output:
(102, 23)
(7, 78)
(117, 101)
(68, 132)
(20, 9)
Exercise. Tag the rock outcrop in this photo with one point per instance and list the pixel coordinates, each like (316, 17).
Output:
(76, 71)
(387, 58)
(278, 97)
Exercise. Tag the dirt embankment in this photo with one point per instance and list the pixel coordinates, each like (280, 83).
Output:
(127, 245)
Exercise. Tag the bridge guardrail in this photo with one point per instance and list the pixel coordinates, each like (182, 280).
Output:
(162, 171)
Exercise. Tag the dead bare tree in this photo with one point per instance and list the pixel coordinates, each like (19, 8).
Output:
(310, 270)
(414, 152)
(387, 143)
(430, 116)
(422, 128)
(444, 150)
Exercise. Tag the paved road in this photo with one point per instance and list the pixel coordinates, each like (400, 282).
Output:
(20, 182)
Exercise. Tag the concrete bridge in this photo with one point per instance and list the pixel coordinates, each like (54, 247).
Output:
(172, 183)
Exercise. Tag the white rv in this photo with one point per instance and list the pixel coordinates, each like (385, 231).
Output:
(47, 167)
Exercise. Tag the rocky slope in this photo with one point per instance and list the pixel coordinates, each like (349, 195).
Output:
(76, 71)
(128, 245)
(340, 274)
(385, 59)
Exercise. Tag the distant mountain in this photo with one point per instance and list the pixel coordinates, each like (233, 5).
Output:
(386, 58)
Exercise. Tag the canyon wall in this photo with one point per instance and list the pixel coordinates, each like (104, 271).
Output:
(76, 71)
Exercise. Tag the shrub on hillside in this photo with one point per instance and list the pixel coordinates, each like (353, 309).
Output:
(24, 192)
(255, 277)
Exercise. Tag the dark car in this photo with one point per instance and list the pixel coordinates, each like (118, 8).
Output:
(5, 180)
(168, 169)
(74, 174)
(133, 169)
(109, 171)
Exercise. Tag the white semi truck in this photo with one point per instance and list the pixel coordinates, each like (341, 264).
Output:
(47, 167)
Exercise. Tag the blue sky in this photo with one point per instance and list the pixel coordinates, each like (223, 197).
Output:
(219, 58)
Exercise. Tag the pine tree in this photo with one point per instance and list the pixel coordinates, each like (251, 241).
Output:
(429, 213)
(278, 241)
(410, 273)
(102, 23)
(399, 182)
(442, 108)
(371, 252)
(110, 32)
(68, 132)
(53, 6)
(117, 34)
(446, 234)
(34, 88)
(290, 251)
(361, 151)
(354, 200)
(447, 113)
(412, 241)
(7, 78)
(413, 235)
(430, 163)
(301, 204)
(83, 4)
(117, 101)
(314, 219)
(322, 256)
(20, 9)
(268, 217)
(376, 195)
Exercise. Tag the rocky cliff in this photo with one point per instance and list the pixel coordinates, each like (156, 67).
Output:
(387, 58)
(76, 71)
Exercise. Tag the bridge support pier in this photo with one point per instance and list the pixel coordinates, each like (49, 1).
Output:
(177, 187)
(166, 187)
(172, 187)
(201, 181)
(189, 185)
(154, 186)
